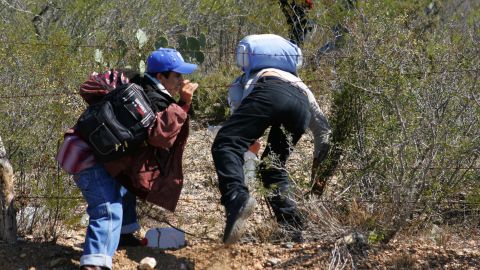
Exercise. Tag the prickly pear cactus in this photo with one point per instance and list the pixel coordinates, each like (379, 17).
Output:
(191, 47)
(161, 42)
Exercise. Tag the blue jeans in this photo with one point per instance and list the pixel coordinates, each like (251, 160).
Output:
(272, 103)
(112, 211)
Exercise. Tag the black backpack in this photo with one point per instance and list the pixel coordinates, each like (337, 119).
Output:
(118, 124)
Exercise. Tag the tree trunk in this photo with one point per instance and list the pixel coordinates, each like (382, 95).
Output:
(8, 222)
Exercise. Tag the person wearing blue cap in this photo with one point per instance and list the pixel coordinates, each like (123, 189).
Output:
(163, 79)
(153, 172)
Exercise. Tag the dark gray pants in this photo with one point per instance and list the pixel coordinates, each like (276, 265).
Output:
(272, 103)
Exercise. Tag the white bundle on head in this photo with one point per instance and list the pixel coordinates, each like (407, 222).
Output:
(257, 52)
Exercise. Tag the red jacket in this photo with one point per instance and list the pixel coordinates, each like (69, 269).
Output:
(153, 172)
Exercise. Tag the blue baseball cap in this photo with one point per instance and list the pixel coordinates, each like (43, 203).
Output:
(167, 59)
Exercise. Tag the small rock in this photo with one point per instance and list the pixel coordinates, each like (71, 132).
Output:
(353, 239)
(273, 261)
(186, 265)
(85, 219)
(288, 245)
(147, 263)
(257, 266)
(436, 234)
(23, 255)
(182, 266)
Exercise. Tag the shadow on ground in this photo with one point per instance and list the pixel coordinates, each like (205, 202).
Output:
(36, 255)
(164, 260)
(30, 255)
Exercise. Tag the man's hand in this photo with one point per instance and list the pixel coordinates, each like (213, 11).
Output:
(317, 181)
(318, 177)
(187, 90)
(255, 147)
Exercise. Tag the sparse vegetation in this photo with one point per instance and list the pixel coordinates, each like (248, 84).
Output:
(400, 89)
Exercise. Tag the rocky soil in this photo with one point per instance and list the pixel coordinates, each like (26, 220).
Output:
(405, 254)
(264, 247)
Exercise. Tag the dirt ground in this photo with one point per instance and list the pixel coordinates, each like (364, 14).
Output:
(407, 254)
(201, 216)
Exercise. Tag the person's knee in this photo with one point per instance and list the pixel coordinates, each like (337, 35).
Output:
(106, 211)
(273, 176)
(221, 144)
(99, 211)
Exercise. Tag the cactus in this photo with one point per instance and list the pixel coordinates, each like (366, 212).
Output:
(190, 47)
(162, 42)
(142, 66)
(122, 48)
(202, 40)
(141, 37)
(99, 57)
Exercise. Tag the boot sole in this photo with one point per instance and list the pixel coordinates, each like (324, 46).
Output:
(238, 227)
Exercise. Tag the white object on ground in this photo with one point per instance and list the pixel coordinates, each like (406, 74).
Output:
(165, 238)
(147, 263)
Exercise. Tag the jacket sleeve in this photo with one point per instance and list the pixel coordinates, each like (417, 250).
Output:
(167, 126)
(319, 126)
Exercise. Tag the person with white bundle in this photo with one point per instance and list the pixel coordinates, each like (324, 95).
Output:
(269, 93)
